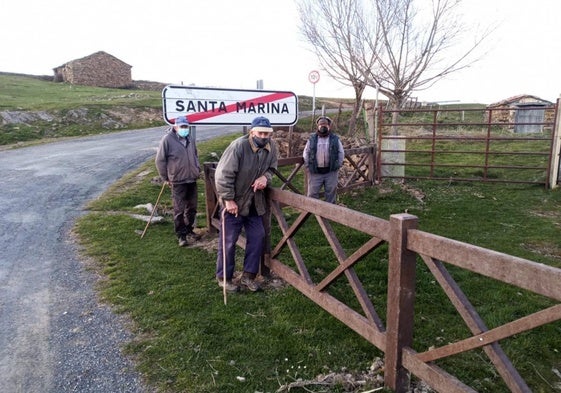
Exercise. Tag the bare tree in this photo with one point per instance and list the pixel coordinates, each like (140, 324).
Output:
(417, 46)
(395, 46)
(335, 31)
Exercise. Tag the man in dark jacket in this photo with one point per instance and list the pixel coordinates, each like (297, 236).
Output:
(242, 174)
(323, 156)
(177, 163)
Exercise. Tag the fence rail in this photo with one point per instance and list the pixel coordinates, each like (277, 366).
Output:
(407, 247)
(405, 243)
(358, 171)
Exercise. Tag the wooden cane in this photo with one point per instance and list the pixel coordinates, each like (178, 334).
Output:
(222, 229)
(153, 210)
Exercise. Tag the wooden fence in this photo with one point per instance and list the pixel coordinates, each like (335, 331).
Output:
(405, 243)
(358, 171)
(407, 246)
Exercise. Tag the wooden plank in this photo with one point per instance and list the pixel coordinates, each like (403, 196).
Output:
(370, 225)
(520, 325)
(288, 240)
(553, 173)
(352, 277)
(401, 300)
(360, 253)
(290, 161)
(292, 175)
(211, 204)
(286, 182)
(476, 325)
(433, 375)
(339, 310)
(356, 170)
(533, 276)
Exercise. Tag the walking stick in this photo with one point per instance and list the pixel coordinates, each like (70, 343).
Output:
(153, 210)
(223, 233)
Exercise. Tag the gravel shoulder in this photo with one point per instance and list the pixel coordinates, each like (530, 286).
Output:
(55, 336)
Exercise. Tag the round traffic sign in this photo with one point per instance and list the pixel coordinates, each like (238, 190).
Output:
(313, 77)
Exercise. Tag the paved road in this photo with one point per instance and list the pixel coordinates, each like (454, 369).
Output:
(54, 335)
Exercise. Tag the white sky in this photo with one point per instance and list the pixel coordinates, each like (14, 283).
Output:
(232, 44)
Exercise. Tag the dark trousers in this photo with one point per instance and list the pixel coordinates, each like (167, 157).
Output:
(184, 197)
(255, 237)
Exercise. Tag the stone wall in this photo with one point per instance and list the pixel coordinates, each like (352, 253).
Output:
(99, 69)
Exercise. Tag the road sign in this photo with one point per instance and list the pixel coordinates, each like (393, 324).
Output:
(208, 106)
(313, 76)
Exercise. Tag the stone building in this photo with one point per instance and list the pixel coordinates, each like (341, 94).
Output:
(98, 69)
(523, 113)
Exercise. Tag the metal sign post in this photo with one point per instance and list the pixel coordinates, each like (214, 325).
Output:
(313, 77)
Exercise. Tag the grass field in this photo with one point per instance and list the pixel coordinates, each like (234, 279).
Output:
(47, 110)
(188, 341)
(33, 94)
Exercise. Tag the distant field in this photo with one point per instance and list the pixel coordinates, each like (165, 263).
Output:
(34, 94)
(34, 109)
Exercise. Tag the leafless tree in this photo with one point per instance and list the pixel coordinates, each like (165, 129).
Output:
(395, 46)
(335, 31)
(417, 46)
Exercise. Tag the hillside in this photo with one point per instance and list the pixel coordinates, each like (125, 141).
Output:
(33, 107)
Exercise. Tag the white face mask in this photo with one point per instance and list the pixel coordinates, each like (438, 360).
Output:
(183, 132)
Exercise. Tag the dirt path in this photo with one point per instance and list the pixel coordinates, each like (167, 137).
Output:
(54, 335)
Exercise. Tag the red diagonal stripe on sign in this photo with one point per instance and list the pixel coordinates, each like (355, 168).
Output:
(193, 118)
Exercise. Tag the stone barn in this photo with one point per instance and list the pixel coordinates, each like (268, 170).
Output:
(98, 69)
(523, 109)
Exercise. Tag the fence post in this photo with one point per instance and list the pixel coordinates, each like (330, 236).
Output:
(264, 266)
(401, 301)
(372, 163)
(554, 168)
(290, 150)
(210, 197)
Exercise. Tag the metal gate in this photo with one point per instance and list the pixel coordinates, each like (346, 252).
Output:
(470, 144)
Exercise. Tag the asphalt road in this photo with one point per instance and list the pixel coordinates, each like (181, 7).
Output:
(54, 334)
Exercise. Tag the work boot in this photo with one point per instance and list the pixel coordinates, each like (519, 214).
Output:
(249, 283)
(194, 237)
(182, 240)
(230, 286)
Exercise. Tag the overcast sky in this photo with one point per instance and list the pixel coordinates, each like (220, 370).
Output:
(232, 44)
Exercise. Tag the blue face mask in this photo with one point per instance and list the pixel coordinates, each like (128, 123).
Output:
(183, 132)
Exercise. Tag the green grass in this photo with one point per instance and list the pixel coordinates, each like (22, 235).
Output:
(71, 110)
(58, 110)
(506, 157)
(517, 220)
(187, 340)
(34, 94)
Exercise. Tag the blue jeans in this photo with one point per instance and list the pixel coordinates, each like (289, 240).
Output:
(255, 239)
(326, 180)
